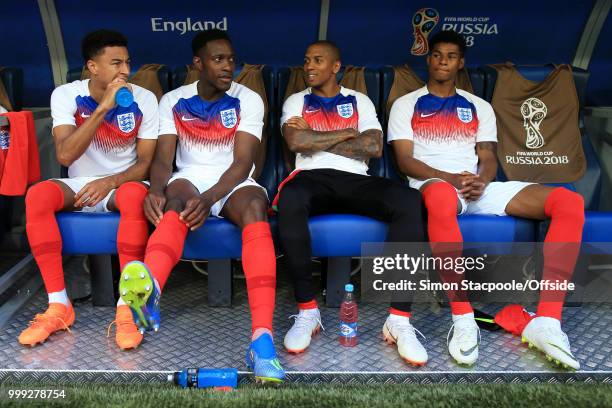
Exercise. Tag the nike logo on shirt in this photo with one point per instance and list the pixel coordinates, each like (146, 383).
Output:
(83, 115)
(184, 119)
(312, 111)
(428, 115)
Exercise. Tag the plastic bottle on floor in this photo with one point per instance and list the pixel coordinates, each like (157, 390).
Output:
(348, 318)
(218, 378)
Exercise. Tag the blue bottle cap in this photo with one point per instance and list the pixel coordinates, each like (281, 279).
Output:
(124, 97)
(348, 287)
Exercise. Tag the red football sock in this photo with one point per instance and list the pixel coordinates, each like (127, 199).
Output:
(42, 201)
(259, 263)
(561, 246)
(445, 237)
(133, 228)
(398, 312)
(308, 305)
(165, 247)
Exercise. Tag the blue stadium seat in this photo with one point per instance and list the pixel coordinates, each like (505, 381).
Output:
(589, 186)
(336, 236)
(597, 227)
(163, 74)
(12, 79)
(372, 80)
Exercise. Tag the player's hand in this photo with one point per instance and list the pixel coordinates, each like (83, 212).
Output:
(93, 192)
(474, 187)
(108, 99)
(458, 180)
(153, 206)
(195, 212)
(298, 122)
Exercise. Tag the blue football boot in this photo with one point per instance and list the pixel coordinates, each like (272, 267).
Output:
(261, 359)
(140, 292)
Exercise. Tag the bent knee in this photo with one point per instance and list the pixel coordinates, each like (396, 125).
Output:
(44, 197)
(441, 198)
(130, 196)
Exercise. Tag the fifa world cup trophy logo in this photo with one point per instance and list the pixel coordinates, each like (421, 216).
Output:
(423, 21)
(534, 111)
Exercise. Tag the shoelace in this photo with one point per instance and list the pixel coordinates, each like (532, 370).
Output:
(462, 333)
(120, 323)
(302, 321)
(42, 319)
(403, 327)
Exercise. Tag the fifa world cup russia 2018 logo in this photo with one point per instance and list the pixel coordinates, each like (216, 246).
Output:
(423, 21)
(533, 111)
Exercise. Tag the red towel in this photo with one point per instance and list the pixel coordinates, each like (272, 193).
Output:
(20, 164)
(513, 318)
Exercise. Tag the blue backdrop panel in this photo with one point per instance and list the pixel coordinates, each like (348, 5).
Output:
(270, 32)
(599, 91)
(24, 46)
(523, 31)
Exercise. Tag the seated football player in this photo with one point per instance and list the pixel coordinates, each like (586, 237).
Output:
(214, 126)
(444, 139)
(334, 131)
(108, 150)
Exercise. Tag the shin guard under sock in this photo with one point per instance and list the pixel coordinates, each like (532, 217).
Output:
(561, 246)
(165, 247)
(43, 200)
(133, 231)
(445, 237)
(259, 263)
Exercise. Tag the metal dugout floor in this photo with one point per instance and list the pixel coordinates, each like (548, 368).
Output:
(196, 335)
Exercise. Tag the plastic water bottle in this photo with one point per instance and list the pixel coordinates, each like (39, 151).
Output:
(124, 97)
(219, 378)
(348, 318)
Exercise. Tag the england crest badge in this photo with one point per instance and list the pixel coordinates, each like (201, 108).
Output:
(126, 122)
(345, 110)
(229, 118)
(464, 115)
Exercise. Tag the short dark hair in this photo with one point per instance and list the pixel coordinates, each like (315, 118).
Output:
(448, 36)
(329, 44)
(94, 42)
(204, 37)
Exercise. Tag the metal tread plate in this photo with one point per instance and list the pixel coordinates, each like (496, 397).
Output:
(196, 335)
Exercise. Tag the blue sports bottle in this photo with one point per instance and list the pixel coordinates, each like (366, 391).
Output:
(124, 97)
(223, 378)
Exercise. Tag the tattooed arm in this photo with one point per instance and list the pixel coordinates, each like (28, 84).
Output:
(301, 138)
(367, 145)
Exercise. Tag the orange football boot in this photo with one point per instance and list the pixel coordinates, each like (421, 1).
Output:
(127, 336)
(57, 317)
